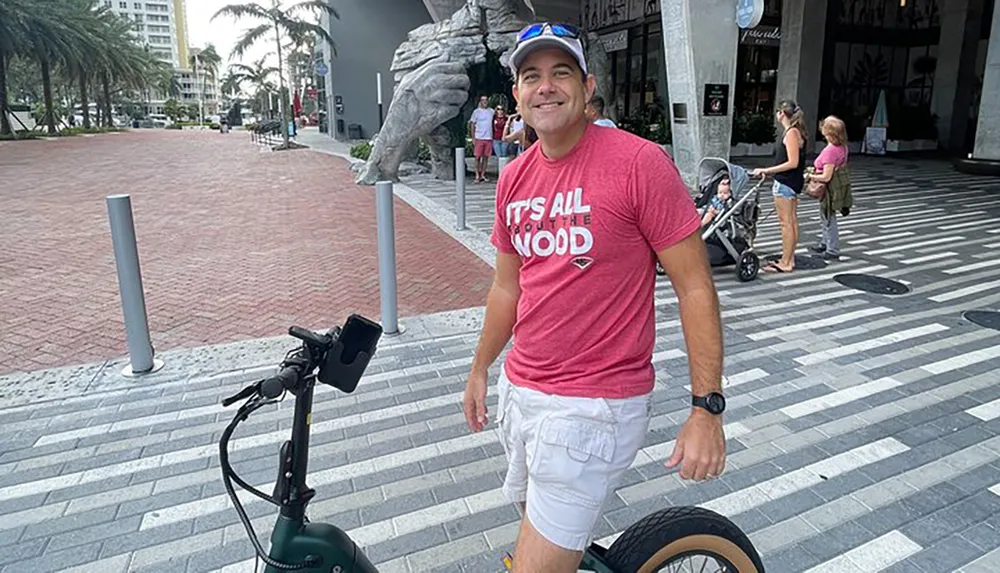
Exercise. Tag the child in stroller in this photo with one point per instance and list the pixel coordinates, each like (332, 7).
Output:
(729, 206)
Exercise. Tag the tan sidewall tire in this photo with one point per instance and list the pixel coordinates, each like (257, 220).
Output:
(717, 545)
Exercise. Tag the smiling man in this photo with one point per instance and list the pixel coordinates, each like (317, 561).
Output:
(582, 217)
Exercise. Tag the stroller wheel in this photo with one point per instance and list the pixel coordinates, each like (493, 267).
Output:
(748, 266)
(659, 269)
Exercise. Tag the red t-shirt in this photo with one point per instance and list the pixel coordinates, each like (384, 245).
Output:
(587, 228)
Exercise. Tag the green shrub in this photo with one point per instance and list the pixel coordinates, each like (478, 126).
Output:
(174, 126)
(18, 136)
(423, 153)
(361, 150)
(755, 128)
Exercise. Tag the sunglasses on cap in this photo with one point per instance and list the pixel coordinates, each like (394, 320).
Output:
(560, 30)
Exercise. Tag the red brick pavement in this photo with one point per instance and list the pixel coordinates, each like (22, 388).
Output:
(233, 244)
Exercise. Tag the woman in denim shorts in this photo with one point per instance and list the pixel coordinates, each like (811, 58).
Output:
(790, 163)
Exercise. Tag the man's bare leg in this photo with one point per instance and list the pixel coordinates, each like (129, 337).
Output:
(535, 554)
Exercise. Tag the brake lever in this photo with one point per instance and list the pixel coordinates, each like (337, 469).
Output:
(244, 393)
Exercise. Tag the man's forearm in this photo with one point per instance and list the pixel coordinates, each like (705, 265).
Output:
(702, 326)
(498, 327)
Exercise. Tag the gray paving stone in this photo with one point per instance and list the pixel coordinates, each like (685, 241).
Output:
(68, 523)
(837, 540)
(169, 470)
(791, 505)
(483, 521)
(453, 459)
(449, 491)
(407, 544)
(935, 527)
(795, 558)
(98, 532)
(22, 551)
(158, 501)
(30, 475)
(947, 555)
(843, 484)
(983, 535)
(389, 475)
(218, 557)
(56, 560)
(398, 506)
(751, 521)
(123, 544)
(21, 503)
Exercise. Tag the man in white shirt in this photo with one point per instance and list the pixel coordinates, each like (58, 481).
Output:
(482, 136)
(595, 112)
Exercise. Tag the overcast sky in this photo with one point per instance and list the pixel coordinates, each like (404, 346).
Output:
(224, 31)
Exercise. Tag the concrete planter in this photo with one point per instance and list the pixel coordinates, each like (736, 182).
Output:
(914, 145)
(751, 150)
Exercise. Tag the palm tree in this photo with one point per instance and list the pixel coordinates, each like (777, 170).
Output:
(207, 59)
(12, 32)
(280, 21)
(256, 75)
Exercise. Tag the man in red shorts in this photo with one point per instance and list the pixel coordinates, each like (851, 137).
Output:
(582, 218)
(482, 136)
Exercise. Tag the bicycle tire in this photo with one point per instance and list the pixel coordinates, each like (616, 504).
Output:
(651, 542)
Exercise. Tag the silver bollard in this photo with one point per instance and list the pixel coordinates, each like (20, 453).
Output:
(501, 163)
(387, 257)
(140, 348)
(460, 187)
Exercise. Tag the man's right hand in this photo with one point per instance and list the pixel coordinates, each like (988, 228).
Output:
(474, 401)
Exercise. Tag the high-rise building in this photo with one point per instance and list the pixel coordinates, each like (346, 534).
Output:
(160, 23)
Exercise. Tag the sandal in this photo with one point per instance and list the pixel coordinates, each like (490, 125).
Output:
(773, 268)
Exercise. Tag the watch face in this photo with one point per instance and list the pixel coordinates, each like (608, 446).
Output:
(716, 403)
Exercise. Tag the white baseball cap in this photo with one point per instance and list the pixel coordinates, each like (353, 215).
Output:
(547, 35)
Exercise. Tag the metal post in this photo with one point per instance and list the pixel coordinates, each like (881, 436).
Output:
(386, 256)
(378, 87)
(140, 349)
(460, 187)
(501, 163)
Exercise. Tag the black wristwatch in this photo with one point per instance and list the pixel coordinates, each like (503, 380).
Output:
(715, 403)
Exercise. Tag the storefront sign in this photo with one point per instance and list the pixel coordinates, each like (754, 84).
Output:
(749, 13)
(716, 100)
(761, 36)
(614, 41)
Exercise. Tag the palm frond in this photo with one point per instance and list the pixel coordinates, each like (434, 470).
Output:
(313, 6)
(237, 11)
(249, 38)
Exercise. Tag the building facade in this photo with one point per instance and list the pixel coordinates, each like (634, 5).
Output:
(684, 72)
(160, 23)
(928, 58)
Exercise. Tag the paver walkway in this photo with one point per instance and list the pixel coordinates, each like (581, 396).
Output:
(234, 244)
(864, 430)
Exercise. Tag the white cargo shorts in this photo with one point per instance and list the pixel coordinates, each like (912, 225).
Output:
(566, 456)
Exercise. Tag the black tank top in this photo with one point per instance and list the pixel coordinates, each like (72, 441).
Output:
(793, 178)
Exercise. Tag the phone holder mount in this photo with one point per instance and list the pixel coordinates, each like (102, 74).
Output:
(339, 374)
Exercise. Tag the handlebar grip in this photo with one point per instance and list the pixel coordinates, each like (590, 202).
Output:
(274, 386)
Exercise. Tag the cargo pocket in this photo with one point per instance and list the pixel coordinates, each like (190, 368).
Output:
(573, 458)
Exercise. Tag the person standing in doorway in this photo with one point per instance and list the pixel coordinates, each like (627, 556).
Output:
(482, 136)
(595, 112)
(582, 218)
(788, 172)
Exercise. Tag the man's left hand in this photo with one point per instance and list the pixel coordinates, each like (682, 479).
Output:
(700, 447)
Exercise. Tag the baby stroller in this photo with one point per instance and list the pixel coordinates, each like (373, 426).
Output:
(729, 236)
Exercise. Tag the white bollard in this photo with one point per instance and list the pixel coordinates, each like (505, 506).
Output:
(387, 256)
(460, 188)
